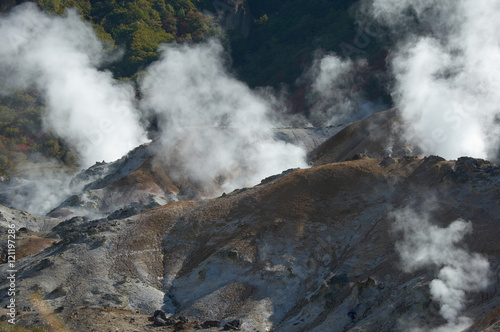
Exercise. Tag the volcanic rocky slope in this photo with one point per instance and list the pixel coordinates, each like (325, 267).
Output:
(311, 250)
(307, 250)
(146, 178)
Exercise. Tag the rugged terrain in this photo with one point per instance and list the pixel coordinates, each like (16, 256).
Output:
(146, 177)
(306, 250)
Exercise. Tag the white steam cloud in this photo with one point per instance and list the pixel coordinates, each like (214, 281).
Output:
(447, 74)
(214, 128)
(335, 96)
(60, 57)
(426, 245)
(221, 128)
(40, 190)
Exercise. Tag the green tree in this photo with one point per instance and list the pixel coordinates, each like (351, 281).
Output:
(3, 163)
(52, 147)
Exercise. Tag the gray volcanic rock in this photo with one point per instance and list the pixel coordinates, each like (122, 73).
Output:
(81, 270)
(101, 194)
(31, 233)
(312, 250)
(23, 219)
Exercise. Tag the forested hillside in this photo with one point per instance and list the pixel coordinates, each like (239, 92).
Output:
(138, 26)
(21, 136)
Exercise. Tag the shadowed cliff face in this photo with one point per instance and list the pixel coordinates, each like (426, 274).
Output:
(234, 14)
(308, 250)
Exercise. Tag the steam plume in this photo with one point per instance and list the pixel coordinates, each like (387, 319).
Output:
(447, 71)
(220, 126)
(60, 56)
(39, 191)
(427, 245)
(333, 96)
(213, 126)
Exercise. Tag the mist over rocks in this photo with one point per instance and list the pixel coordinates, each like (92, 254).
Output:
(39, 188)
(336, 95)
(424, 244)
(150, 176)
(190, 87)
(145, 177)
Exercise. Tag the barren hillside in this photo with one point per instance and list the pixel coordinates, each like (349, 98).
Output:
(309, 250)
